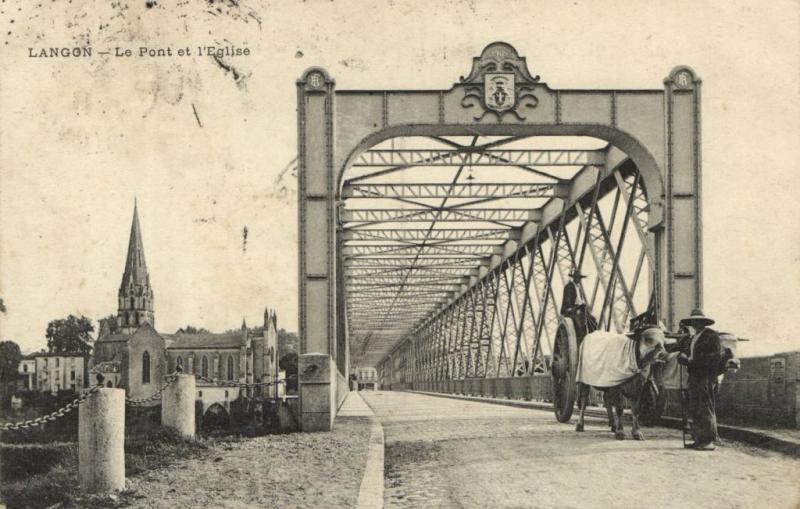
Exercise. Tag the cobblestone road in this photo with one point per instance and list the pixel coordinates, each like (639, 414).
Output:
(449, 453)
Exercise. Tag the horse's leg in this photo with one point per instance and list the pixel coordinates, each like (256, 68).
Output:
(636, 433)
(583, 396)
(609, 410)
(616, 401)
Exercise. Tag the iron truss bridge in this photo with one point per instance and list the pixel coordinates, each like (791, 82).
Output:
(455, 251)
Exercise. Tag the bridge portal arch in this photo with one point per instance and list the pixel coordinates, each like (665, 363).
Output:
(656, 131)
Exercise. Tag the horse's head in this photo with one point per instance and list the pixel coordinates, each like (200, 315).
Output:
(728, 343)
(651, 345)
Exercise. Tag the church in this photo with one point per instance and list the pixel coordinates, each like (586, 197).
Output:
(132, 354)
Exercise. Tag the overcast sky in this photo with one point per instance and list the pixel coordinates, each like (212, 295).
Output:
(81, 138)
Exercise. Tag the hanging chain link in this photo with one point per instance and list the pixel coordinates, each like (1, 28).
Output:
(61, 412)
(241, 385)
(156, 395)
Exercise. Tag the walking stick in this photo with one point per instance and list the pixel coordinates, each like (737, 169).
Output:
(684, 413)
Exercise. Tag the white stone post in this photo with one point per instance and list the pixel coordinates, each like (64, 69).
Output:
(101, 441)
(177, 406)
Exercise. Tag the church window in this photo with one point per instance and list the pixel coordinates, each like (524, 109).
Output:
(226, 394)
(230, 367)
(136, 317)
(204, 367)
(57, 363)
(145, 368)
(179, 361)
(132, 303)
(200, 393)
(109, 384)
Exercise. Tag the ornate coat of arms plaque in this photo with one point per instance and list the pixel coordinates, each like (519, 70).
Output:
(499, 91)
(500, 84)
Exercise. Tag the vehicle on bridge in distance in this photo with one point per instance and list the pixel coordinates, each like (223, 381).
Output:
(366, 378)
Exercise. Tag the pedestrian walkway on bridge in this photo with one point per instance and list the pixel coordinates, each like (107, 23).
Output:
(443, 452)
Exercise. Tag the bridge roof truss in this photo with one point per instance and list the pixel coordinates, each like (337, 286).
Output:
(468, 267)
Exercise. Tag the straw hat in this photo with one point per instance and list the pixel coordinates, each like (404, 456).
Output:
(697, 317)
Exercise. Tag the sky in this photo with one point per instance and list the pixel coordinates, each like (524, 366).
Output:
(202, 148)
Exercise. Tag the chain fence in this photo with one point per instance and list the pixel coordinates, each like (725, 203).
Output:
(156, 395)
(170, 379)
(242, 385)
(61, 412)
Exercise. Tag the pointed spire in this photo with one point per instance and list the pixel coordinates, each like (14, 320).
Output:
(244, 324)
(135, 265)
(135, 294)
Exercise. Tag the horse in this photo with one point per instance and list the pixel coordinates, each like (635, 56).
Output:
(618, 365)
(673, 376)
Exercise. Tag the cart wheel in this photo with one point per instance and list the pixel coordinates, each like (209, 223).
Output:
(564, 370)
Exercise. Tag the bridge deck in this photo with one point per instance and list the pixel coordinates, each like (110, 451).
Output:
(444, 452)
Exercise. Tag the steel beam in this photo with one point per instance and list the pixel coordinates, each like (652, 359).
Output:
(437, 214)
(496, 190)
(419, 234)
(379, 158)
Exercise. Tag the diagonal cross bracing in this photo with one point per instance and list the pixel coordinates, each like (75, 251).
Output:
(439, 234)
(479, 157)
(465, 287)
(483, 190)
(442, 215)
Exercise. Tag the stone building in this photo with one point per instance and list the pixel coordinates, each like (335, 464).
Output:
(60, 372)
(26, 372)
(136, 357)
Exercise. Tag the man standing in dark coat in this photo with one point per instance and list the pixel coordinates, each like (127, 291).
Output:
(703, 362)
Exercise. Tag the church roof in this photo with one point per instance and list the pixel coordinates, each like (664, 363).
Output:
(145, 329)
(113, 337)
(135, 265)
(205, 340)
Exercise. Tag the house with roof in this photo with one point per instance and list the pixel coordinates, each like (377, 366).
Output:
(136, 357)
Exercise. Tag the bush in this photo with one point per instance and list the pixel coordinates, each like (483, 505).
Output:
(59, 486)
(38, 475)
(18, 461)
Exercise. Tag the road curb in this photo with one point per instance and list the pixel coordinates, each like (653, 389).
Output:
(747, 436)
(370, 493)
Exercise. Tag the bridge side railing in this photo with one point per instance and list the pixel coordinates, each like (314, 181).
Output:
(764, 391)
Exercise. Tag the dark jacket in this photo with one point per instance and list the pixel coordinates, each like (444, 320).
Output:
(707, 354)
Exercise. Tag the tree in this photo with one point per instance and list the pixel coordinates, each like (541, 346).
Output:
(288, 362)
(110, 323)
(10, 356)
(70, 335)
(287, 341)
(191, 329)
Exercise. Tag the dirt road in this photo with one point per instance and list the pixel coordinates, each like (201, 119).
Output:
(448, 453)
(294, 471)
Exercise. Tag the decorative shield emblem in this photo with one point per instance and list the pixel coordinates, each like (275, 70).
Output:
(498, 91)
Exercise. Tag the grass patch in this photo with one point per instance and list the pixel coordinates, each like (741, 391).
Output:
(42, 475)
(159, 449)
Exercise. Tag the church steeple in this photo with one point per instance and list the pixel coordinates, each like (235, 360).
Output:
(135, 293)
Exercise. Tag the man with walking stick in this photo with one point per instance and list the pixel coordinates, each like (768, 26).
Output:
(702, 361)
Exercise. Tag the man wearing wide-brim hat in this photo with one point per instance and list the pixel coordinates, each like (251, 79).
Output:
(702, 361)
